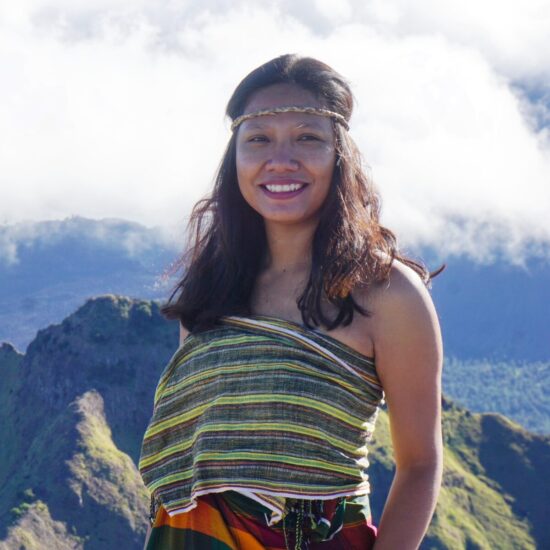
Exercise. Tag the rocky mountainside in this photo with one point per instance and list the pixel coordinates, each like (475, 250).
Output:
(495, 483)
(73, 409)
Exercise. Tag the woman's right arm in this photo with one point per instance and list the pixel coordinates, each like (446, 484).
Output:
(183, 335)
(147, 536)
(409, 355)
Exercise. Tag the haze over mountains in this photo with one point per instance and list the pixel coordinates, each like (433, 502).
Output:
(47, 269)
(495, 317)
(75, 405)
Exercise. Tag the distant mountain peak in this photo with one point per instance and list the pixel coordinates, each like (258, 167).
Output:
(111, 304)
(7, 350)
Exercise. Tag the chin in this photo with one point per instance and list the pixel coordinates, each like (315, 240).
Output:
(289, 219)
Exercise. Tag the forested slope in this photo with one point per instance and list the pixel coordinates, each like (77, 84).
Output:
(74, 408)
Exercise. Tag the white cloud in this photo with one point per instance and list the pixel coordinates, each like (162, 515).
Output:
(115, 109)
(131, 239)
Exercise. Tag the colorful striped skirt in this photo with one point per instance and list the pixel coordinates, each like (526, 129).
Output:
(232, 521)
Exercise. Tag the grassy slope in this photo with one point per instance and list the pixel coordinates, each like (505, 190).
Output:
(103, 475)
(92, 495)
(34, 529)
(494, 485)
(495, 479)
(74, 407)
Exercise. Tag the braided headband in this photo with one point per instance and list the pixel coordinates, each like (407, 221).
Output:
(292, 109)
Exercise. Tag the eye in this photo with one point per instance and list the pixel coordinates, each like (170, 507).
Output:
(257, 139)
(309, 137)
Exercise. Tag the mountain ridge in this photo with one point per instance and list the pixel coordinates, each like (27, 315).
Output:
(493, 310)
(79, 400)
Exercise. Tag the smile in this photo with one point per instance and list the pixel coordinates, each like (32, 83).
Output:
(283, 191)
(284, 188)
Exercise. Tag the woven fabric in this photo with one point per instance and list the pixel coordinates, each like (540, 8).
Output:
(230, 521)
(264, 407)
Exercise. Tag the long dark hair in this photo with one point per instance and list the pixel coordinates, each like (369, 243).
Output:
(228, 240)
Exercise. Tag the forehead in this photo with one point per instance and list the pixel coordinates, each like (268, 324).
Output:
(283, 95)
(288, 120)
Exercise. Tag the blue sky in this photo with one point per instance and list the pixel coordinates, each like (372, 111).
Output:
(115, 108)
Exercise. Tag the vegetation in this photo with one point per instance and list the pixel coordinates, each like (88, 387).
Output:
(78, 402)
(515, 389)
(494, 488)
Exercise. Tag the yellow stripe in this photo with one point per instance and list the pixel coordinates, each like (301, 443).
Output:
(262, 398)
(230, 456)
(301, 339)
(210, 373)
(252, 427)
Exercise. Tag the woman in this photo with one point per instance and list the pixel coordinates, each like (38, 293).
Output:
(298, 318)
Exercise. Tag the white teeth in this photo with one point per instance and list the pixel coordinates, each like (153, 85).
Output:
(284, 188)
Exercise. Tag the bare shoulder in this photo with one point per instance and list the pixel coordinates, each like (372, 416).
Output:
(403, 291)
(409, 354)
(403, 282)
(404, 320)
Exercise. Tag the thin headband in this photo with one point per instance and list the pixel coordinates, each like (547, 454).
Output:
(292, 109)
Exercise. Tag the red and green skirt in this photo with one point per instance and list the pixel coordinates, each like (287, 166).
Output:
(232, 521)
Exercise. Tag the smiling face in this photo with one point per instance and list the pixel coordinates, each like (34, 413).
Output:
(285, 161)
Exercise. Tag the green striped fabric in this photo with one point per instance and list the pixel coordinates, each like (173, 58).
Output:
(265, 407)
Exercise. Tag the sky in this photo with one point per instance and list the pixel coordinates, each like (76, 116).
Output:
(115, 109)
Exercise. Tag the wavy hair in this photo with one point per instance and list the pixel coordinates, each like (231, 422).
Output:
(227, 236)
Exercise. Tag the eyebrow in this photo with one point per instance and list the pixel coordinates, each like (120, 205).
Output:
(313, 124)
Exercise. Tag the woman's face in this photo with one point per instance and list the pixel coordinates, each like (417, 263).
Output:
(285, 161)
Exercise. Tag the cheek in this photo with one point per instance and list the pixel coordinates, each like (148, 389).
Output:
(241, 168)
(320, 159)
(245, 165)
(325, 165)
(244, 176)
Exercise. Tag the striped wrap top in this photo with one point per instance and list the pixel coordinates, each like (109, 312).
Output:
(264, 407)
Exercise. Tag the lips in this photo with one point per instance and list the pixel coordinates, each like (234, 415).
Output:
(283, 189)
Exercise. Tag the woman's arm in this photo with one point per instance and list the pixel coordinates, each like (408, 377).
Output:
(147, 537)
(408, 351)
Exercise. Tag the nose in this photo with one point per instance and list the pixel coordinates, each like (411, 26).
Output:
(282, 159)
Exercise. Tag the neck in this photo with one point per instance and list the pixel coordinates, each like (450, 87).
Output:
(289, 247)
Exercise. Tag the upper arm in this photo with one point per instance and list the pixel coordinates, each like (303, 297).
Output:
(183, 333)
(148, 534)
(409, 355)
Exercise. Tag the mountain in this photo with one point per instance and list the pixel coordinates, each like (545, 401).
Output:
(495, 483)
(494, 316)
(495, 311)
(74, 408)
(518, 390)
(47, 269)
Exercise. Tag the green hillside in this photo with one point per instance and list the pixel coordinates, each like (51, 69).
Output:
(518, 390)
(74, 471)
(74, 408)
(495, 483)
